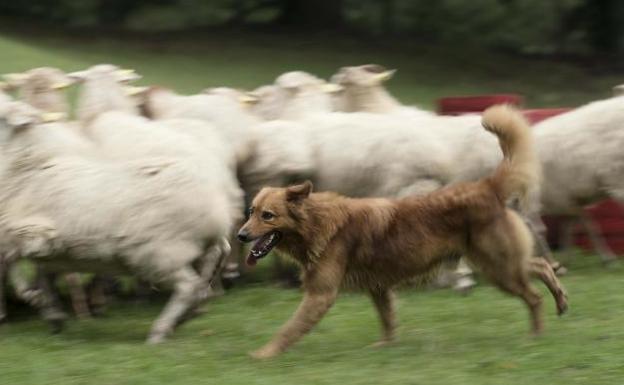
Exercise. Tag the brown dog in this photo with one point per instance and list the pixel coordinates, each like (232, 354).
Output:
(373, 244)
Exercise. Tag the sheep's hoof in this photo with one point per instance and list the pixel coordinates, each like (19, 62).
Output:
(155, 339)
(611, 263)
(98, 311)
(56, 326)
(464, 285)
(264, 353)
(381, 343)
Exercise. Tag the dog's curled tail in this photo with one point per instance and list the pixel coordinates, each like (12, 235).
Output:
(518, 175)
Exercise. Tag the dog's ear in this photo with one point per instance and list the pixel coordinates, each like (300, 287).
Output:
(298, 192)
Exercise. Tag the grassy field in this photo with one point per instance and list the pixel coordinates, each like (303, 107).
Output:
(443, 339)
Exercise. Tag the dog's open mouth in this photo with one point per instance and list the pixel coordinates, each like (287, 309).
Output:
(263, 246)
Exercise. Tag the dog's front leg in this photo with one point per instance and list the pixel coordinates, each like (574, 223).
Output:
(320, 284)
(384, 303)
(310, 311)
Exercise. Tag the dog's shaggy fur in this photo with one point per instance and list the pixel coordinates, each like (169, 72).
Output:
(373, 244)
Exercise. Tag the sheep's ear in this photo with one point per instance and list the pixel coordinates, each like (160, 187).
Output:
(49, 117)
(78, 76)
(16, 79)
(618, 90)
(127, 75)
(384, 76)
(332, 88)
(248, 98)
(21, 115)
(63, 84)
(298, 192)
(134, 91)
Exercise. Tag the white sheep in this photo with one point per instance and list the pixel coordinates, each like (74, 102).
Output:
(363, 90)
(223, 112)
(43, 88)
(582, 162)
(111, 119)
(293, 95)
(152, 218)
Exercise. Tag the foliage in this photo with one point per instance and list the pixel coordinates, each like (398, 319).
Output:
(529, 26)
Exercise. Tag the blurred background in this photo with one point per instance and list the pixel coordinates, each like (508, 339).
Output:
(554, 53)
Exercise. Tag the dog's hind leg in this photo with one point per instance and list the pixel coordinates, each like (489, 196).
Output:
(542, 270)
(384, 303)
(502, 251)
(516, 282)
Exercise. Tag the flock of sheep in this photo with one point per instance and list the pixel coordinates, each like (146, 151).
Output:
(152, 183)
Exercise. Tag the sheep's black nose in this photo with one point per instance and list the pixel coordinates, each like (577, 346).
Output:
(243, 236)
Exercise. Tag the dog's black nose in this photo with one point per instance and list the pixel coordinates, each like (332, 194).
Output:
(243, 236)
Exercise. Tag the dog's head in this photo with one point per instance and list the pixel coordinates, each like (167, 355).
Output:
(273, 215)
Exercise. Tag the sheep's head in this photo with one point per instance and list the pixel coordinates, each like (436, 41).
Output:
(20, 115)
(120, 75)
(367, 75)
(293, 94)
(243, 97)
(39, 80)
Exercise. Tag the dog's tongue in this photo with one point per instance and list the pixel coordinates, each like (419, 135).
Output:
(251, 260)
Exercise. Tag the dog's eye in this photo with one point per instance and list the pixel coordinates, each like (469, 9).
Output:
(250, 211)
(267, 216)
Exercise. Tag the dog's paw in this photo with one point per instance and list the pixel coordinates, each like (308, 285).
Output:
(380, 344)
(265, 352)
(562, 304)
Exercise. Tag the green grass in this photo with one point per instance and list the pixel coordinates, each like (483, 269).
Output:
(443, 339)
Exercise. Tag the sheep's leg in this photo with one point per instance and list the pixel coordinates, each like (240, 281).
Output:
(464, 280)
(606, 254)
(213, 260)
(97, 295)
(3, 284)
(78, 295)
(188, 288)
(567, 236)
(421, 187)
(538, 231)
(231, 270)
(50, 308)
